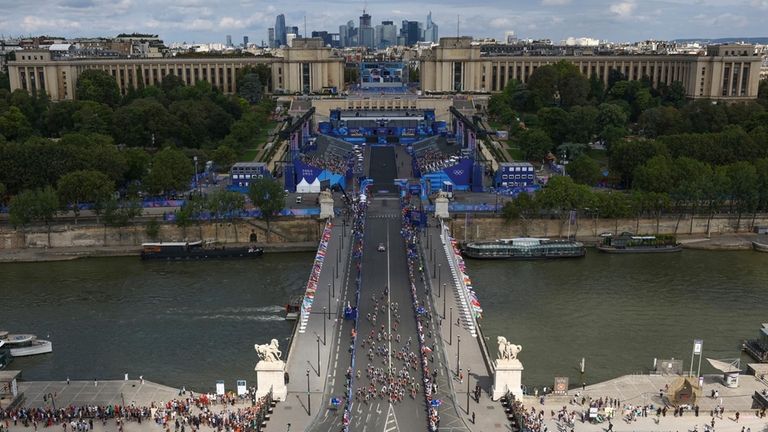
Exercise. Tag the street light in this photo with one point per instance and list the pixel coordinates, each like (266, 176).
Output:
(444, 301)
(468, 376)
(450, 326)
(318, 355)
(197, 181)
(309, 401)
(324, 334)
(458, 353)
(329, 301)
(439, 276)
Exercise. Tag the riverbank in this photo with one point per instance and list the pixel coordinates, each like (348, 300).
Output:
(30, 255)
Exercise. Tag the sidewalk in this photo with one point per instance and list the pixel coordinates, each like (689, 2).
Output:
(465, 354)
(302, 356)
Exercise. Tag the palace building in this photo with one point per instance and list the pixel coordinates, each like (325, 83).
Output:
(306, 66)
(726, 72)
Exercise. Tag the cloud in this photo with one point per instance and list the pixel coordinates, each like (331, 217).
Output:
(500, 23)
(555, 2)
(77, 4)
(623, 10)
(760, 4)
(32, 23)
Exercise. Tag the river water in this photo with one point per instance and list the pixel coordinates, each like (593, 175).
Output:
(194, 323)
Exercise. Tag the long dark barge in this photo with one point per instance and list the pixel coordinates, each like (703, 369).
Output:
(197, 250)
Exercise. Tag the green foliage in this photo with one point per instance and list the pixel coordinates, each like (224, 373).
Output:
(171, 170)
(223, 158)
(655, 175)
(152, 228)
(98, 86)
(14, 125)
(584, 170)
(535, 144)
(144, 123)
(560, 84)
(524, 206)
(250, 88)
(225, 204)
(663, 120)
(84, 186)
(268, 195)
(119, 213)
(627, 155)
(5, 81)
(38, 205)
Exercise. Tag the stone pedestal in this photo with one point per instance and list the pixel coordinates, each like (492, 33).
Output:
(271, 375)
(507, 378)
(441, 207)
(326, 205)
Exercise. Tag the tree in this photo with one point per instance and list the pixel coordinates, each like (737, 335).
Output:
(223, 158)
(561, 195)
(144, 123)
(39, 205)
(535, 144)
(762, 93)
(250, 88)
(92, 117)
(664, 120)
(85, 186)
(121, 213)
(556, 122)
(743, 187)
(98, 86)
(269, 196)
(609, 114)
(584, 170)
(5, 81)
(524, 207)
(627, 155)
(14, 125)
(655, 175)
(171, 170)
(582, 126)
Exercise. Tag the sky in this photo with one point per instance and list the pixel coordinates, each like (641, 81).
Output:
(206, 21)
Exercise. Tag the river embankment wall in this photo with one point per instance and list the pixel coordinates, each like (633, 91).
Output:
(474, 227)
(282, 230)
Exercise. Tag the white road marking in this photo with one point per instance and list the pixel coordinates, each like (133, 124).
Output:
(391, 423)
(389, 305)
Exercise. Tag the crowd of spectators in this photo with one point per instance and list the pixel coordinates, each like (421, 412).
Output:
(433, 160)
(328, 161)
(188, 413)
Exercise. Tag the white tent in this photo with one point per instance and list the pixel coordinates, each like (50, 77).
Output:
(303, 186)
(315, 186)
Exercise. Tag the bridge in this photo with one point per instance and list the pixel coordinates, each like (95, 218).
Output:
(388, 337)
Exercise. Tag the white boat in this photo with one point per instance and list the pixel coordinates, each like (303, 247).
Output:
(21, 345)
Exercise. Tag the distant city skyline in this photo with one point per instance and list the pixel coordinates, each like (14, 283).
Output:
(205, 21)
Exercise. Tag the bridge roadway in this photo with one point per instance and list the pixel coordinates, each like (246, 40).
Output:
(393, 308)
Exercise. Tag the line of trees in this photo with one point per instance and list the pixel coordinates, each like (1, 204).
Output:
(142, 141)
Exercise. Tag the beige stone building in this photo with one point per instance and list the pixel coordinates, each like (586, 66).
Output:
(308, 66)
(726, 72)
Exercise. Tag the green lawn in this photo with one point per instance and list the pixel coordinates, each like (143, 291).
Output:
(249, 155)
(515, 152)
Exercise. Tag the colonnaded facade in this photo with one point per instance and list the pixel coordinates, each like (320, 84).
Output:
(726, 72)
(307, 66)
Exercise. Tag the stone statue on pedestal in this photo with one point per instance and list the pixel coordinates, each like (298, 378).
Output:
(507, 351)
(270, 371)
(508, 371)
(269, 352)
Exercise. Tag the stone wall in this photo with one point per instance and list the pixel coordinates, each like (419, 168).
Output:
(489, 228)
(284, 230)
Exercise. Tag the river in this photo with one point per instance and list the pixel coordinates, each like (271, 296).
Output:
(192, 324)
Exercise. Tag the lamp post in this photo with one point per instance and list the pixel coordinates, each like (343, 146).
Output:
(439, 276)
(450, 333)
(324, 334)
(197, 181)
(309, 401)
(458, 352)
(318, 355)
(444, 301)
(468, 376)
(329, 301)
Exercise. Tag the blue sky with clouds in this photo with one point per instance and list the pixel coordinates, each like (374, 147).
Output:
(212, 20)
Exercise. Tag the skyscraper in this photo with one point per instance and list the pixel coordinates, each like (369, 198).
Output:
(386, 34)
(271, 37)
(410, 32)
(280, 31)
(430, 32)
(245, 41)
(366, 32)
(294, 30)
(229, 40)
